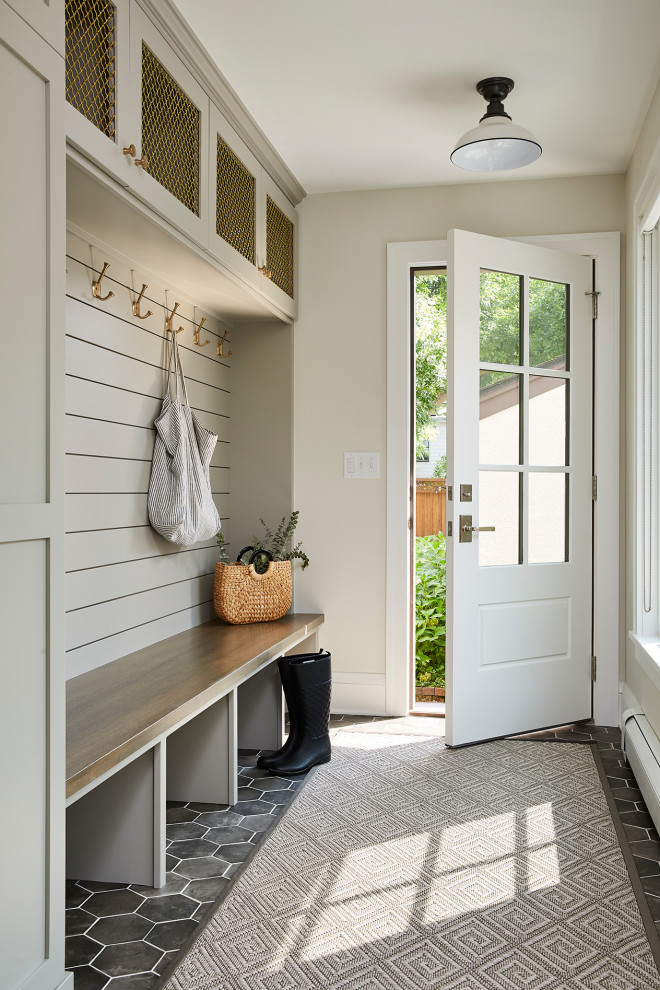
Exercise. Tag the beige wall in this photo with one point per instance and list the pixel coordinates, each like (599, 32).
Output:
(638, 180)
(340, 364)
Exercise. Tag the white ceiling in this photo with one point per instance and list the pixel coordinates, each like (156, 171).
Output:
(363, 94)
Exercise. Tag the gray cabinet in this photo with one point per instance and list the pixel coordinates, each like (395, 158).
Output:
(139, 113)
(32, 731)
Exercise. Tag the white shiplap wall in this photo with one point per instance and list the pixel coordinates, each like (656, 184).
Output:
(126, 587)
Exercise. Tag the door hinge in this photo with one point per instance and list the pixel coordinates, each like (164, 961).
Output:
(450, 529)
(409, 522)
(594, 487)
(593, 668)
(594, 303)
(450, 493)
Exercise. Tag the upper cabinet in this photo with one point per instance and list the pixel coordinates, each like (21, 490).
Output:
(140, 114)
(97, 83)
(252, 223)
(169, 121)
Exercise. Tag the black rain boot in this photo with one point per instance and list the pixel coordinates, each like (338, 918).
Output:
(269, 760)
(311, 683)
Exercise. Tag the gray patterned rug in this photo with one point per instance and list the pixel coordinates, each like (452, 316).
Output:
(405, 865)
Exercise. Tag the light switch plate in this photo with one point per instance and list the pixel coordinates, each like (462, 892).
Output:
(361, 464)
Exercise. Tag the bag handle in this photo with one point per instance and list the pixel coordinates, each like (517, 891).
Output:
(175, 367)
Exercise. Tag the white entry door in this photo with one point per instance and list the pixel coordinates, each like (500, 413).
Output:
(519, 343)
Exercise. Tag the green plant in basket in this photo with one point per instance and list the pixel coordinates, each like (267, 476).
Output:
(430, 610)
(277, 544)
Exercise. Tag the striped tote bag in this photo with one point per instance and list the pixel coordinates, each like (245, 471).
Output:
(180, 504)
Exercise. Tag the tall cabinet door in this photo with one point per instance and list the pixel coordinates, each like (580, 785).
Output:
(32, 732)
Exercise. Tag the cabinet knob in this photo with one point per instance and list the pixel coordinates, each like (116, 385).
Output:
(142, 162)
(130, 150)
(265, 271)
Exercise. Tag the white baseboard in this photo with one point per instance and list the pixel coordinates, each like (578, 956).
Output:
(358, 694)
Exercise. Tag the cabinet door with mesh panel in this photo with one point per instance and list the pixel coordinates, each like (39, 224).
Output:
(170, 120)
(279, 248)
(235, 221)
(97, 83)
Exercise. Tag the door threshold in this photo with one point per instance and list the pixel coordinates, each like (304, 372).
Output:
(435, 708)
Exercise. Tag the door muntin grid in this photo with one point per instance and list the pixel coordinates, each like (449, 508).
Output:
(235, 202)
(524, 395)
(279, 247)
(90, 61)
(171, 126)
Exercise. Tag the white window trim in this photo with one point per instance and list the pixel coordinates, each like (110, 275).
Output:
(646, 626)
(401, 258)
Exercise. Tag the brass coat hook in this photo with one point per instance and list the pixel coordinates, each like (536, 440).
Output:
(220, 349)
(197, 332)
(168, 320)
(136, 305)
(96, 286)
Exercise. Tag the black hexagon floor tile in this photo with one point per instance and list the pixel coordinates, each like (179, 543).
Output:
(171, 908)
(120, 928)
(205, 866)
(173, 885)
(79, 950)
(127, 959)
(78, 921)
(112, 902)
(172, 934)
(87, 978)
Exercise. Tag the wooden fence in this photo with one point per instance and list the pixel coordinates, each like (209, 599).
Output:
(430, 506)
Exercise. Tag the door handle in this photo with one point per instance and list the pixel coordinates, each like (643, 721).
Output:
(466, 529)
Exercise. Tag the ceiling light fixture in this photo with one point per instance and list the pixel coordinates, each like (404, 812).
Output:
(495, 144)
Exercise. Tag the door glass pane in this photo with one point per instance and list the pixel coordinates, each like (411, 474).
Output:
(548, 323)
(499, 417)
(499, 506)
(547, 518)
(547, 420)
(500, 318)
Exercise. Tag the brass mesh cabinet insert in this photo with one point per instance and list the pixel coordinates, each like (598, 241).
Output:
(170, 132)
(90, 61)
(235, 202)
(279, 247)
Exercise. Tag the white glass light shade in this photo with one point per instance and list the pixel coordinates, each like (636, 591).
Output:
(494, 145)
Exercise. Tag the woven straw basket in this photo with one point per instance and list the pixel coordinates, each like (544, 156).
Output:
(241, 595)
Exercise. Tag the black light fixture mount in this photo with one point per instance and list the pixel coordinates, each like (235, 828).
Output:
(495, 90)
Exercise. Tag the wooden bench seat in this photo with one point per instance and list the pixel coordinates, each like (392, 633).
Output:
(168, 718)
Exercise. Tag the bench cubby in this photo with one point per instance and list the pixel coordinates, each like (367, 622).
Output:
(166, 723)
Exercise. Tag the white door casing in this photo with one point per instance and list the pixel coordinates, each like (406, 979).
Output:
(604, 250)
(519, 615)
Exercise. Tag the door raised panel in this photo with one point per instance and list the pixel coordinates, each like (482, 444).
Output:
(24, 213)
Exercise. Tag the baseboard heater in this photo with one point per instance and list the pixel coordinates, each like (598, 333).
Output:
(642, 748)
